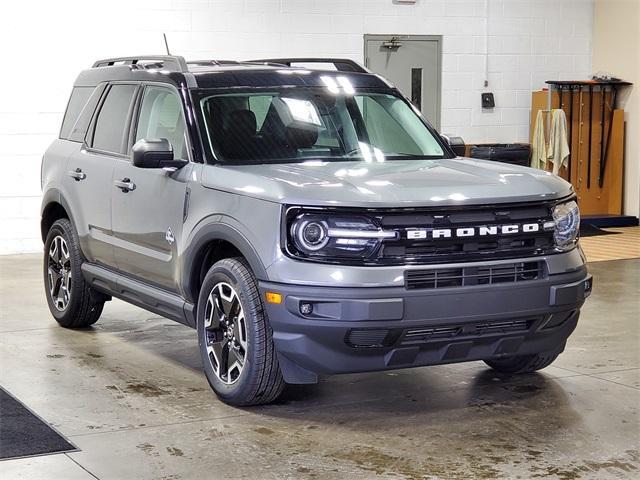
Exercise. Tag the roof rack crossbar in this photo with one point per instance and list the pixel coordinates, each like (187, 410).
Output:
(173, 62)
(341, 64)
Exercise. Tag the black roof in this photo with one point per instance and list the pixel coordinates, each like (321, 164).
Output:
(226, 73)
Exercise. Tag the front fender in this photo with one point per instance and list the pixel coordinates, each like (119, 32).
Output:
(207, 231)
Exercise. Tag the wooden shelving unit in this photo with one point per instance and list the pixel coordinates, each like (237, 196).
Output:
(595, 127)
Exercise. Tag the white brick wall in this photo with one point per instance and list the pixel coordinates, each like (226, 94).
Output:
(46, 43)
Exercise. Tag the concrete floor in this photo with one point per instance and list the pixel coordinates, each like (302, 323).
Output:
(129, 393)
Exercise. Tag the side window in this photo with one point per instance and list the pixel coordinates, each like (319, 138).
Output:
(79, 131)
(259, 105)
(385, 132)
(161, 117)
(112, 119)
(77, 101)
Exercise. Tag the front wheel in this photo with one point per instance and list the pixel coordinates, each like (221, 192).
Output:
(235, 337)
(523, 363)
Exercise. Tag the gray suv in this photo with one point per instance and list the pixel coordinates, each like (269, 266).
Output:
(304, 221)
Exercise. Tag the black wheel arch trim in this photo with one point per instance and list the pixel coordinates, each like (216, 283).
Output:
(207, 232)
(51, 196)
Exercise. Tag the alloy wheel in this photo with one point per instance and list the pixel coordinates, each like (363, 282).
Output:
(225, 333)
(59, 273)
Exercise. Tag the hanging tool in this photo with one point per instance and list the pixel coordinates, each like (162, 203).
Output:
(603, 95)
(570, 132)
(590, 135)
(603, 160)
(580, 142)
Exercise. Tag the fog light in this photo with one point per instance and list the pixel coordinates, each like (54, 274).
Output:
(306, 308)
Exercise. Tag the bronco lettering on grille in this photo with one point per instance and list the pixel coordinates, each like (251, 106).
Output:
(483, 231)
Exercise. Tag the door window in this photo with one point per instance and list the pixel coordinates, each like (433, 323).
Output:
(393, 127)
(112, 119)
(161, 117)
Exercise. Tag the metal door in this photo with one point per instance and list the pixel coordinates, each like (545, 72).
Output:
(90, 170)
(149, 204)
(88, 187)
(413, 64)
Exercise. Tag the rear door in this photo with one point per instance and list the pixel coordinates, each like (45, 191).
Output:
(148, 218)
(90, 170)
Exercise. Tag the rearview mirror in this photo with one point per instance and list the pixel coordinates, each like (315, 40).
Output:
(155, 153)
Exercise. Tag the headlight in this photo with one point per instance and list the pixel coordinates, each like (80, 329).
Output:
(311, 235)
(567, 219)
(334, 236)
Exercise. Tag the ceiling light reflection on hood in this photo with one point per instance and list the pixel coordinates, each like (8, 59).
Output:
(250, 189)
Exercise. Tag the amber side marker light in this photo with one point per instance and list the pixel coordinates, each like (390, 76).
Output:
(273, 297)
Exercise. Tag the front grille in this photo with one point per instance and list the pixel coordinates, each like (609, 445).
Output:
(367, 337)
(474, 275)
(428, 333)
(418, 336)
(397, 337)
(429, 250)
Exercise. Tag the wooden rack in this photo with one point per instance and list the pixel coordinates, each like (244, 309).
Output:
(595, 128)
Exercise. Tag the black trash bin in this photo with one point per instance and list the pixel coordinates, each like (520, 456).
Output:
(513, 153)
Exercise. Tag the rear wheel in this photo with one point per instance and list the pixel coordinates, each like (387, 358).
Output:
(71, 300)
(523, 363)
(235, 337)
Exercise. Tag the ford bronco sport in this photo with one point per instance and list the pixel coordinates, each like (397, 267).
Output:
(304, 221)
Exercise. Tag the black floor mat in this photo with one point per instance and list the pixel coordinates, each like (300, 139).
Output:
(23, 434)
(592, 231)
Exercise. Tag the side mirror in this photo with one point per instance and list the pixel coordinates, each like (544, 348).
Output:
(455, 143)
(155, 153)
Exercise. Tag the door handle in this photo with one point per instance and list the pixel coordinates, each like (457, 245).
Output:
(77, 174)
(126, 185)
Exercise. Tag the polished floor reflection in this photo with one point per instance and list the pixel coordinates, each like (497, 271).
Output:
(623, 243)
(129, 393)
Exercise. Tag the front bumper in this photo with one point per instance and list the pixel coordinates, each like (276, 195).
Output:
(355, 329)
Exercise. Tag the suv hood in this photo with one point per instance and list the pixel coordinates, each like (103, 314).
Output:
(393, 183)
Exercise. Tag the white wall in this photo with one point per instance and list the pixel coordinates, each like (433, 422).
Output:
(46, 43)
(616, 50)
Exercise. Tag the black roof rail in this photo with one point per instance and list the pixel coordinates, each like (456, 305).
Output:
(222, 63)
(341, 64)
(204, 63)
(173, 62)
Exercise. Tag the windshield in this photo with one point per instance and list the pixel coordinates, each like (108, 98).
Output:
(294, 125)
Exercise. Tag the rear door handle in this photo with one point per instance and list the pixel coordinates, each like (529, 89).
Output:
(77, 174)
(126, 185)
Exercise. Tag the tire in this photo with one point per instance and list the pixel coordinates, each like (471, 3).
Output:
(235, 338)
(523, 363)
(75, 306)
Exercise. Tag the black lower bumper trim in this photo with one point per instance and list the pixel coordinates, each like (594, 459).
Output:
(367, 329)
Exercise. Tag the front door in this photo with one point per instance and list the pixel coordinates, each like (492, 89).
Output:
(149, 204)
(413, 64)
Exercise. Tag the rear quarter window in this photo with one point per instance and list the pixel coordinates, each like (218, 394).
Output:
(77, 102)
